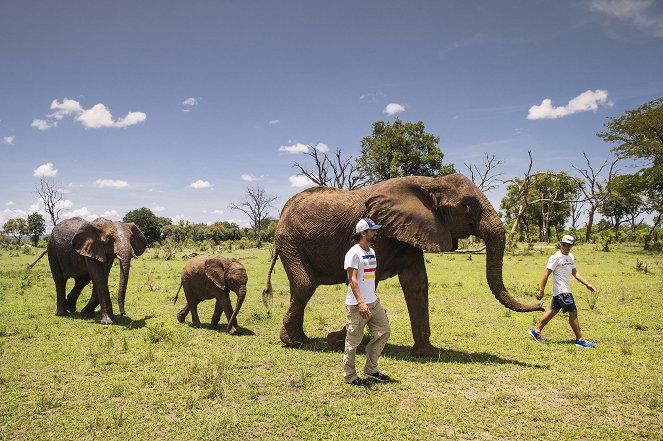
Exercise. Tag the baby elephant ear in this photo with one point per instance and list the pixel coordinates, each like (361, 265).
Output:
(138, 240)
(88, 241)
(216, 271)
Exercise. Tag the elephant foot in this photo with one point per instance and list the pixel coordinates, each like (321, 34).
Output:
(87, 312)
(106, 319)
(424, 350)
(293, 339)
(61, 312)
(181, 317)
(336, 340)
(233, 331)
(70, 307)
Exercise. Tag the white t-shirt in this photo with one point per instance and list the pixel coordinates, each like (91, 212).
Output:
(366, 264)
(562, 268)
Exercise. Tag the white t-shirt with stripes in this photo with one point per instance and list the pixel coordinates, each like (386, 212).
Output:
(366, 264)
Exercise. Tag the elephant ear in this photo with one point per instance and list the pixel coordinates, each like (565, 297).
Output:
(90, 240)
(216, 271)
(408, 210)
(138, 240)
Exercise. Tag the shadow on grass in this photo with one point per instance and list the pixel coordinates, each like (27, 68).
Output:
(400, 352)
(243, 332)
(118, 320)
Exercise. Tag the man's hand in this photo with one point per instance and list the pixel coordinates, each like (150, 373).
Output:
(590, 287)
(363, 310)
(539, 295)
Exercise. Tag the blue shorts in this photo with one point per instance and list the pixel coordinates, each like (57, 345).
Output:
(564, 301)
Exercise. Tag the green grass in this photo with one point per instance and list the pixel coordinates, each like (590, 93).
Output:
(150, 377)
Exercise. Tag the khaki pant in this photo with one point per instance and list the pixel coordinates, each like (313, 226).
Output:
(378, 323)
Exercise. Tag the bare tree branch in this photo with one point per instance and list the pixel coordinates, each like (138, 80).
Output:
(51, 195)
(256, 206)
(336, 172)
(485, 177)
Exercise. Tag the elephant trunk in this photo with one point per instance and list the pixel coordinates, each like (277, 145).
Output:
(241, 295)
(493, 235)
(125, 266)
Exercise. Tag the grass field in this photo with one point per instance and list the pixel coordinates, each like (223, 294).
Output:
(150, 377)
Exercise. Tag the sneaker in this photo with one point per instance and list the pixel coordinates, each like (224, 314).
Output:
(358, 382)
(537, 335)
(378, 376)
(585, 343)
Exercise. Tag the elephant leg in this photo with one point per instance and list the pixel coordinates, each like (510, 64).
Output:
(224, 301)
(193, 306)
(301, 291)
(183, 313)
(72, 297)
(88, 310)
(336, 340)
(216, 315)
(60, 292)
(414, 282)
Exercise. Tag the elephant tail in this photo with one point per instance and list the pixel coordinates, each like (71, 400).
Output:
(178, 293)
(268, 293)
(35, 262)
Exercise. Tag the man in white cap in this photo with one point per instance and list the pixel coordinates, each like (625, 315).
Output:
(562, 266)
(363, 306)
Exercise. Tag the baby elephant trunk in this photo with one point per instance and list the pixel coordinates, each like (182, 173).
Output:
(232, 323)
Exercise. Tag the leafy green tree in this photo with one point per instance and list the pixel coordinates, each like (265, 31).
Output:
(639, 135)
(626, 201)
(148, 223)
(16, 228)
(36, 227)
(400, 149)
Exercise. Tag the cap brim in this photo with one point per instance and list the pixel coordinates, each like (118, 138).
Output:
(375, 227)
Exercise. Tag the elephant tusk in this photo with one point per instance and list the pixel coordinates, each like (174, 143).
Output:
(118, 257)
(134, 255)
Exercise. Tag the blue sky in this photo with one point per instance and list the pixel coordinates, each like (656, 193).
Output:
(180, 106)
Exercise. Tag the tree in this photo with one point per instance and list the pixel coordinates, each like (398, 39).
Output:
(332, 172)
(594, 190)
(148, 223)
(17, 228)
(639, 135)
(36, 227)
(256, 206)
(51, 195)
(400, 149)
(625, 201)
(485, 177)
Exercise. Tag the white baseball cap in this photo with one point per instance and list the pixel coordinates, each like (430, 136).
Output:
(366, 224)
(568, 239)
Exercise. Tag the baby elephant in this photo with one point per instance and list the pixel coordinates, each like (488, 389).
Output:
(208, 277)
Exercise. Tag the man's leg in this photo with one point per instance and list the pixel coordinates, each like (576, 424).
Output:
(547, 316)
(381, 330)
(575, 324)
(354, 324)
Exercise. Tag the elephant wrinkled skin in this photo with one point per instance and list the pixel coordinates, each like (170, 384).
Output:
(209, 277)
(85, 251)
(416, 213)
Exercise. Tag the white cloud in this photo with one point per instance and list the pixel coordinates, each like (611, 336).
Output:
(61, 205)
(158, 208)
(43, 124)
(190, 102)
(637, 12)
(200, 184)
(110, 214)
(45, 171)
(248, 178)
(218, 211)
(393, 108)
(586, 101)
(10, 204)
(300, 181)
(324, 148)
(8, 139)
(83, 212)
(111, 183)
(93, 118)
(181, 217)
(274, 121)
(294, 149)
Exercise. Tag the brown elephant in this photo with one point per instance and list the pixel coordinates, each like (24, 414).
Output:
(208, 277)
(416, 213)
(85, 251)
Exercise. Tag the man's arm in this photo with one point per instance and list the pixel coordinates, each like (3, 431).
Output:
(542, 283)
(580, 279)
(354, 285)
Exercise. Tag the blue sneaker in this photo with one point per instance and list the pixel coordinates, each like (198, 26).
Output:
(537, 335)
(585, 343)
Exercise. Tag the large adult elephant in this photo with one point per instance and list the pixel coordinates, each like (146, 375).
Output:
(85, 251)
(416, 213)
